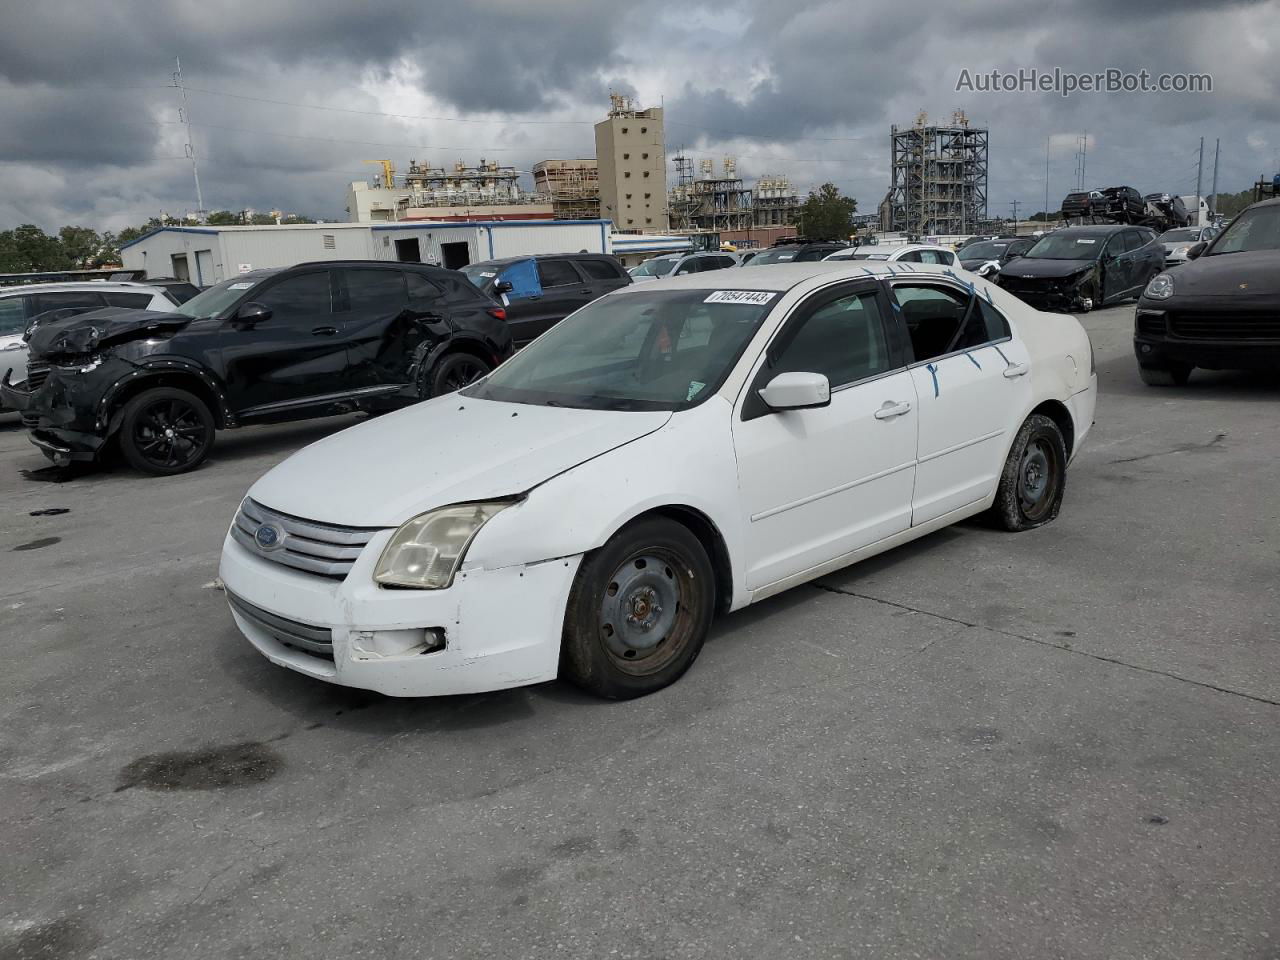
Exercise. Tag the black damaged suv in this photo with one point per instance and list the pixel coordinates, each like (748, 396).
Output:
(272, 345)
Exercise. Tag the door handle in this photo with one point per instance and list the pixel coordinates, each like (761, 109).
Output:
(890, 410)
(1016, 370)
(323, 331)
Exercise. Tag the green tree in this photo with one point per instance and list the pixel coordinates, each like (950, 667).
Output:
(223, 218)
(827, 215)
(82, 246)
(28, 248)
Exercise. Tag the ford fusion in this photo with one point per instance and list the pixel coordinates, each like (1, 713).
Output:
(672, 451)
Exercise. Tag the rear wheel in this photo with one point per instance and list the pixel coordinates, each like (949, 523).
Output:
(639, 611)
(166, 431)
(453, 372)
(1175, 375)
(1034, 476)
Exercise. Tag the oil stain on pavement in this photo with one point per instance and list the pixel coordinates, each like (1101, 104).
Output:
(212, 768)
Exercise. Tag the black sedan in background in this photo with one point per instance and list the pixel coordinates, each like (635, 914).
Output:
(1080, 268)
(1220, 310)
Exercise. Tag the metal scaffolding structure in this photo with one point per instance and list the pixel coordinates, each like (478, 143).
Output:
(774, 202)
(709, 203)
(938, 176)
(573, 186)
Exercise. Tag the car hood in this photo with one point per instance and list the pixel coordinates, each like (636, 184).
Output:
(451, 449)
(1046, 269)
(86, 332)
(1223, 275)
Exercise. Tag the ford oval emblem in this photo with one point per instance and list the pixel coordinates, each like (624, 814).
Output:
(268, 536)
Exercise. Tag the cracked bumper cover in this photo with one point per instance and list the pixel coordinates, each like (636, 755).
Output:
(501, 627)
(66, 414)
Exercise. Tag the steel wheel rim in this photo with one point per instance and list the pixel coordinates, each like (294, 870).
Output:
(462, 375)
(646, 613)
(1037, 478)
(169, 433)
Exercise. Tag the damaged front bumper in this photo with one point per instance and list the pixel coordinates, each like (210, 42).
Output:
(65, 409)
(492, 629)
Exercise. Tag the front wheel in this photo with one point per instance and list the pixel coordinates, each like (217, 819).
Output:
(453, 372)
(166, 431)
(639, 611)
(1175, 375)
(1034, 476)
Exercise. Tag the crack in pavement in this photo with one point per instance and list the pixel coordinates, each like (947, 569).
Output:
(1049, 643)
(1181, 448)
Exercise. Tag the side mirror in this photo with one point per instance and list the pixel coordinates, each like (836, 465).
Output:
(503, 286)
(797, 391)
(1195, 250)
(252, 313)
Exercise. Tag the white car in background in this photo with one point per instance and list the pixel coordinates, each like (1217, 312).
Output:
(668, 452)
(908, 252)
(1179, 240)
(680, 264)
(19, 305)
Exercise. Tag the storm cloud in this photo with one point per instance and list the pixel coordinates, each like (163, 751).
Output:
(289, 98)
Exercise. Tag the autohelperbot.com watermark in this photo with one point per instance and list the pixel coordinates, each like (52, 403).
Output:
(1066, 83)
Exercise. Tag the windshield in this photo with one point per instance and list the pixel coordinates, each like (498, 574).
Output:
(986, 250)
(1066, 246)
(1178, 236)
(653, 268)
(479, 273)
(217, 298)
(775, 255)
(661, 350)
(1256, 229)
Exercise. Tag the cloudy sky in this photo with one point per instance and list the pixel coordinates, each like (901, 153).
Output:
(288, 97)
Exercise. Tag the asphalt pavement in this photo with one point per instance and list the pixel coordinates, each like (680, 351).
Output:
(982, 745)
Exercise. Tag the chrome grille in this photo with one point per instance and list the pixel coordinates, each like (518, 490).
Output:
(321, 548)
(37, 374)
(317, 641)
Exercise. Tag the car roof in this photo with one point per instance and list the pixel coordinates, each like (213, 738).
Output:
(784, 276)
(503, 261)
(79, 286)
(1096, 230)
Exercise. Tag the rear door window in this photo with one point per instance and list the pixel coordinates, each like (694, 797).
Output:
(598, 269)
(557, 273)
(134, 301)
(375, 292)
(45, 302)
(425, 294)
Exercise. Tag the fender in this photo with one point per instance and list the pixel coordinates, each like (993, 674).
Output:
(153, 367)
(427, 355)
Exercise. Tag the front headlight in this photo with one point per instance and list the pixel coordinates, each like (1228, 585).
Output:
(1160, 287)
(426, 551)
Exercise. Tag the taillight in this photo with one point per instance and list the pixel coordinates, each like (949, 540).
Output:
(498, 313)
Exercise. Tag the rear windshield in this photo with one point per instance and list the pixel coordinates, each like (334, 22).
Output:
(775, 255)
(654, 268)
(480, 274)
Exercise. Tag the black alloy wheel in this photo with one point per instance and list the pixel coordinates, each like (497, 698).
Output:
(455, 371)
(166, 431)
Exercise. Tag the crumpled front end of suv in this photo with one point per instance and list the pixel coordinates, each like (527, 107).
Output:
(76, 368)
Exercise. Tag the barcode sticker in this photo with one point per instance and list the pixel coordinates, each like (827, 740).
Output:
(752, 297)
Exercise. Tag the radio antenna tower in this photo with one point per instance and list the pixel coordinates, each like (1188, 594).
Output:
(184, 115)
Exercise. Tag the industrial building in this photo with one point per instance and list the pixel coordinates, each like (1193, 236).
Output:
(572, 186)
(206, 255)
(938, 177)
(632, 167)
(774, 202)
(460, 193)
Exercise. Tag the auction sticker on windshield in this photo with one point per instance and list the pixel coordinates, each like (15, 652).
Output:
(1083, 240)
(756, 298)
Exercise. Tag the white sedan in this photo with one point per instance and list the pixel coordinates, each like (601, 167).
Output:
(904, 252)
(669, 452)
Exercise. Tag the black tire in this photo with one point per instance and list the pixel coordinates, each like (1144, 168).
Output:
(452, 372)
(1034, 477)
(165, 431)
(1176, 375)
(653, 577)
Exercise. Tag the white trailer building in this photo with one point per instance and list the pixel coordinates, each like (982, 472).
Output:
(206, 255)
